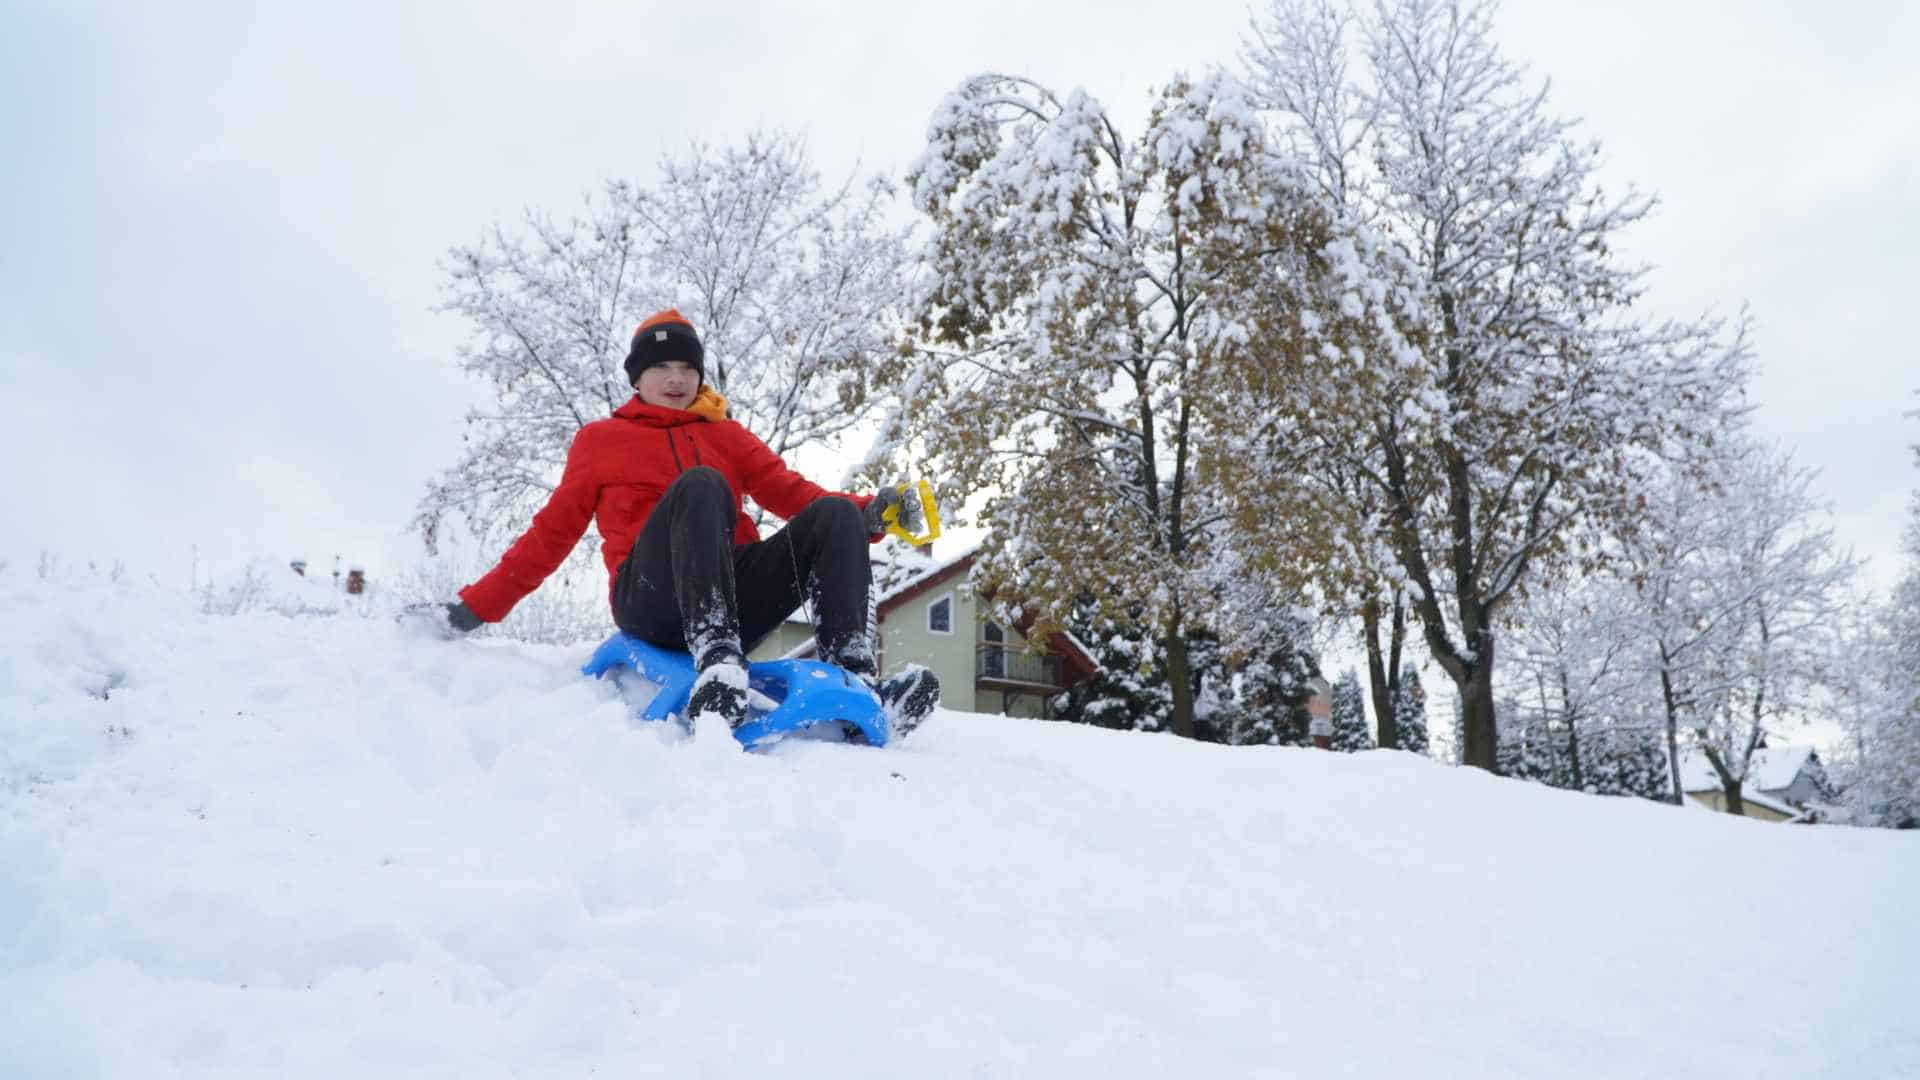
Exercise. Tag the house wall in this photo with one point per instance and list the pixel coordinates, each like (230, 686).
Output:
(1027, 703)
(905, 639)
(1717, 800)
(1011, 696)
(782, 641)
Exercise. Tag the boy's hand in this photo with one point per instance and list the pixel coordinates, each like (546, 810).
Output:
(444, 621)
(462, 618)
(891, 495)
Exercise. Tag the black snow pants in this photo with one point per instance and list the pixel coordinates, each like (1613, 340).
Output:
(687, 585)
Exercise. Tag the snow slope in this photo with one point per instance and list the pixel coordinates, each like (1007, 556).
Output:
(253, 845)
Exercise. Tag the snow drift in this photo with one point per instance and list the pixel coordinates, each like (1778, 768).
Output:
(257, 845)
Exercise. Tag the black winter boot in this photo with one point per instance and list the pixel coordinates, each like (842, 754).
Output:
(907, 697)
(720, 689)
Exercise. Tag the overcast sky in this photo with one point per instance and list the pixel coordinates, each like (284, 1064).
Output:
(222, 227)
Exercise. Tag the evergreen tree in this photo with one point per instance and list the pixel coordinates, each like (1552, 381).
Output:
(1410, 711)
(1533, 747)
(1273, 658)
(1273, 696)
(1129, 691)
(1457, 753)
(1597, 758)
(1624, 759)
(1257, 701)
(1350, 732)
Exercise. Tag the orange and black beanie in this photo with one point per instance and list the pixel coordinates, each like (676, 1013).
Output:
(664, 337)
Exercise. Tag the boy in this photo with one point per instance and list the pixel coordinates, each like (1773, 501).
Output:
(663, 477)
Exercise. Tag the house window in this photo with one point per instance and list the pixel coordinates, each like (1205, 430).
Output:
(940, 615)
(993, 656)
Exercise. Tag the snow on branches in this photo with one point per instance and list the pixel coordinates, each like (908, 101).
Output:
(1492, 405)
(1740, 590)
(1084, 289)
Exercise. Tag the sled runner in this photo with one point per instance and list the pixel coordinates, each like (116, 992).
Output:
(801, 694)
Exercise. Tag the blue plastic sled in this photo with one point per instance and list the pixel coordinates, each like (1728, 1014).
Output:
(805, 692)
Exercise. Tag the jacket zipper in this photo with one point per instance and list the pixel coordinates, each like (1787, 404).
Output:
(678, 468)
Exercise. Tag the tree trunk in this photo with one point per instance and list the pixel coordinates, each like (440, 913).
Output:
(1735, 803)
(1729, 786)
(1573, 732)
(1482, 748)
(1383, 668)
(1179, 679)
(1471, 670)
(1673, 723)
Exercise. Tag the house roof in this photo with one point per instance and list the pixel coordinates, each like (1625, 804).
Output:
(1777, 767)
(1772, 769)
(929, 577)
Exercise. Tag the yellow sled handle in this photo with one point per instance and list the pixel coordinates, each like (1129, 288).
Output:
(929, 515)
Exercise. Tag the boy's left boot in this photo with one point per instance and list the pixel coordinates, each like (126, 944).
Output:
(907, 697)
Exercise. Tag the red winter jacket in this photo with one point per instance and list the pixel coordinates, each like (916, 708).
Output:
(617, 470)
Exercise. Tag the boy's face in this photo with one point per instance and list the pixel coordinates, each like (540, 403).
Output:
(671, 385)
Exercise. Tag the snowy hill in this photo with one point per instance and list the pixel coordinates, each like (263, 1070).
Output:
(254, 845)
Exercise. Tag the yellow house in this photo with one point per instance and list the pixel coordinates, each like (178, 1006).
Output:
(1754, 805)
(1780, 782)
(931, 616)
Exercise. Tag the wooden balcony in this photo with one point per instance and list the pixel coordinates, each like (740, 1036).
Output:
(1000, 665)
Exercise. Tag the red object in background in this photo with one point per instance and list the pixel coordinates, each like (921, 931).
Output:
(1320, 715)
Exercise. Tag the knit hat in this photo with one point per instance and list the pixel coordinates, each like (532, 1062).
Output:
(662, 338)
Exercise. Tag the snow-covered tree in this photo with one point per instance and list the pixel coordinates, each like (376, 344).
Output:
(1492, 389)
(1133, 689)
(794, 288)
(1084, 287)
(1880, 763)
(1271, 702)
(1666, 563)
(1532, 747)
(1410, 711)
(1789, 580)
(1350, 732)
(1739, 589)
(1458, 731)
(1273, 661)
(1269, 643)
(1129, 689)
(1383, 632)
(1248, 691)
(1578, 679)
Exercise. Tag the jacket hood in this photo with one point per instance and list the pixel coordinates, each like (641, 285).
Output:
(708, 405)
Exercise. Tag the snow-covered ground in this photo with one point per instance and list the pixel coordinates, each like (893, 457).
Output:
(262, 846)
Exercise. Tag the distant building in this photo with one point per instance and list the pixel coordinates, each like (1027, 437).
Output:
(1784, 783)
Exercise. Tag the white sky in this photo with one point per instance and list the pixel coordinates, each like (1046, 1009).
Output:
(222, 227)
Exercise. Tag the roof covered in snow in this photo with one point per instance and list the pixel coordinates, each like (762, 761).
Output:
(1772, 769)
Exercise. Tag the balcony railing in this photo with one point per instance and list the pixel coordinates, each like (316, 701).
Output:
(1012, 665)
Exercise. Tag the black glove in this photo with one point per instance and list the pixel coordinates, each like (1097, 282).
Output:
(462, 618)
(891, 495)
(436, 619)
